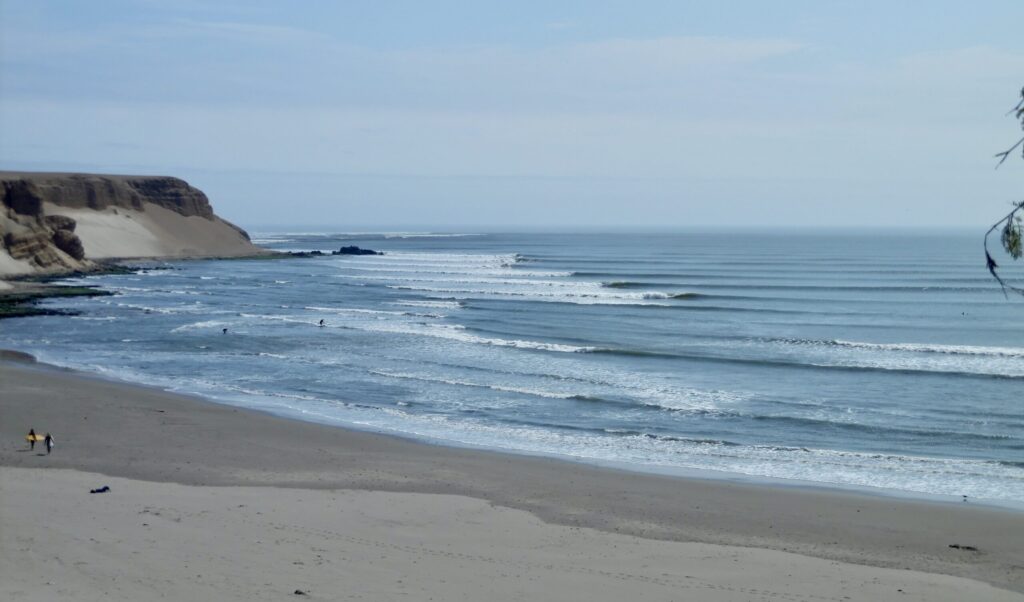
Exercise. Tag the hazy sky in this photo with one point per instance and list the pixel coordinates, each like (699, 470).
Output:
(462, 115)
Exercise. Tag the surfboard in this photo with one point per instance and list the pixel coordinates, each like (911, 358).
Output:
(35, 437)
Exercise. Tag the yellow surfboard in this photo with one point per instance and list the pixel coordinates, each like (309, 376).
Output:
(35, 437)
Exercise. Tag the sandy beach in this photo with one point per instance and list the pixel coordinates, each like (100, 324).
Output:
(213, 502)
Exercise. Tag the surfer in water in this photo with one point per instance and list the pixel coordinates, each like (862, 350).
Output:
(322, 324)
(224, 331)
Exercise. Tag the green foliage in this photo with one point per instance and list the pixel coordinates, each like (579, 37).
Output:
(1011, 238)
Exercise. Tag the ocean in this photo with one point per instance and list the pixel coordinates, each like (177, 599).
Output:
(888, 361)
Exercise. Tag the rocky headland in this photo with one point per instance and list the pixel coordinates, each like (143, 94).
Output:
(56, 223)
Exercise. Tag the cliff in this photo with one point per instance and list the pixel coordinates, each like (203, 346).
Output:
(58, 222)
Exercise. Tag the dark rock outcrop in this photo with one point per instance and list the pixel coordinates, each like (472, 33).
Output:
(66, 241)
(355, 251)
(59, 222)
(22, 197)
(36, 247)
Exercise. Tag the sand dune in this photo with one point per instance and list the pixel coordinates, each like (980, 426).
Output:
(155, 232)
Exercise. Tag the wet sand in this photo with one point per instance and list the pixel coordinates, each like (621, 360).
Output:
(394, 518)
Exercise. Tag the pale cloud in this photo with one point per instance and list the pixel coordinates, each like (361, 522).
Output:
(751, 121)
(251, 64)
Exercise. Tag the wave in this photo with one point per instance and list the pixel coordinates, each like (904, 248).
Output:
(424, 235)
(447, 271)
(496, 280)
(184, 309)
(583, 397)
(371, 312)
(457, 332)
(809, 365)
(579, 298)
(429, 303)
(269, 240)
(1015, 352)
(934, 348)
(687, 401)
(492, 387)
(629, 284)
(882, 431)
(218, 324)
(656, 295)
(442, 258)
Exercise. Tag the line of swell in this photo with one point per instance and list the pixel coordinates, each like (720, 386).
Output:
(794, 364)
(883, 431)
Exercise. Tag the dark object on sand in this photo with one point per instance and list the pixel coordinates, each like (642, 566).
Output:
(957, 546)
(355, 251)
(103, 489)
(299, 592)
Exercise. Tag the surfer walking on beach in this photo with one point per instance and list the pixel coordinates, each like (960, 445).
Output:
(31, 439)
(48, 440)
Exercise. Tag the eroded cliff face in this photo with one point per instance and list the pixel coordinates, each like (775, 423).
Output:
(88, 191)
(38, 234)
(30, 238)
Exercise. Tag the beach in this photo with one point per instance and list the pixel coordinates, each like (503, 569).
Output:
(211, 501)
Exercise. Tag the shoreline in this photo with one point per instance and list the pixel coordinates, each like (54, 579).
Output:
(146, 434)
(670, 472)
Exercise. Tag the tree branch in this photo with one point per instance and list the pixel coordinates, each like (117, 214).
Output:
(991, 263)
(1006, 153)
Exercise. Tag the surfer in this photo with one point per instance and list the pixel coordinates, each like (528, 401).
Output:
(224, 331)
(48, 440)
(31, 439)
(322, 324)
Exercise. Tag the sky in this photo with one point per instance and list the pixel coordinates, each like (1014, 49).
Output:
(526, 115)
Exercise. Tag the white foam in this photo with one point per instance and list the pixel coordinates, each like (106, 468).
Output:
(448, 271)
(458, 333)
(355, 310)
(205, 324)
(496, 281)
(270, 240)
(968, 359)
(465, 383)
(1016, 352)
(148, 309)
(582, 295)
(428, 303)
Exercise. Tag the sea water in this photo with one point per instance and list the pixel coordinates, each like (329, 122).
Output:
(880, 360)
